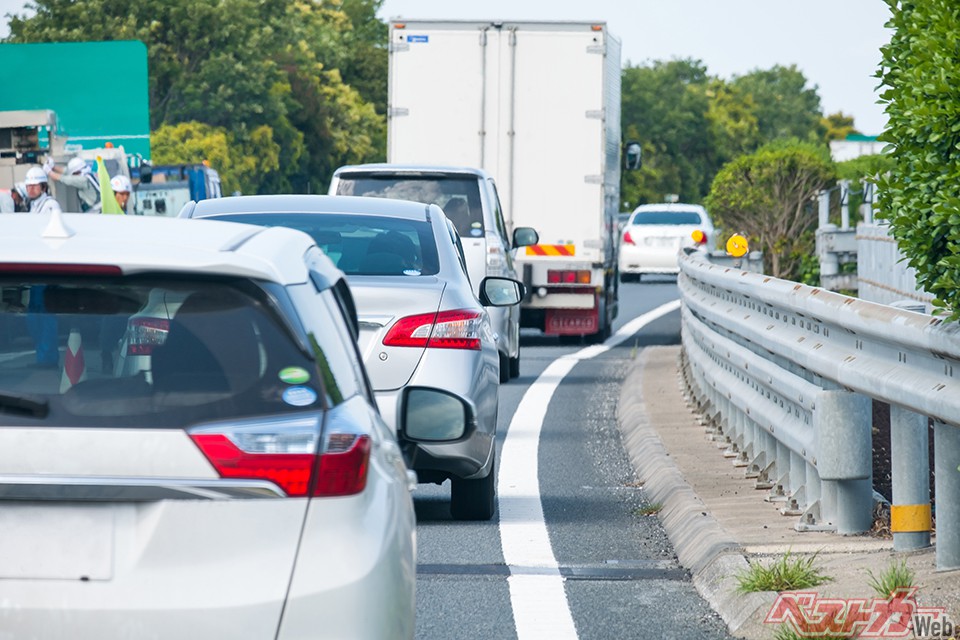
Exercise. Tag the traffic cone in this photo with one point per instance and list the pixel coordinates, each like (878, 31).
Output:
(74, 368)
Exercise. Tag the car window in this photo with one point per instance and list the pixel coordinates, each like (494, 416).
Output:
(363, 245)
(666, 217)
(330, 341)
(498, 213)
(458, 196)
(160, 351)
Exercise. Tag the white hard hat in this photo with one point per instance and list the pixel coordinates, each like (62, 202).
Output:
(77, 165)
(35, 175)
(121, 183)
(21, 189)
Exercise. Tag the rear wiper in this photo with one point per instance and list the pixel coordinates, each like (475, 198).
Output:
(36, 406)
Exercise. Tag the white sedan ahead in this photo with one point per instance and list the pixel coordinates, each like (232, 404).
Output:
(655, 234)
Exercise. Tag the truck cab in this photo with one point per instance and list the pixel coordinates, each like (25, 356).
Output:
(164, 189)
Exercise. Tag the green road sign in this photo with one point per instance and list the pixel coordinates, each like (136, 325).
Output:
(97, 89)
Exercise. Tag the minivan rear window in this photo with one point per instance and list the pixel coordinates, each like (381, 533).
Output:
(458, 196)
(666, 217)
(146, 352)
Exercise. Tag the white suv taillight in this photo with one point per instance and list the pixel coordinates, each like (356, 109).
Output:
(284, 451)
(496, 253)
(456, 329)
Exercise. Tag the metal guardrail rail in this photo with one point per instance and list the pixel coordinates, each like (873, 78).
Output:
(786, 374)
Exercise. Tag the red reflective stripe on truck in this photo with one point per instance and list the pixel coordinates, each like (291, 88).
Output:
(552, 250)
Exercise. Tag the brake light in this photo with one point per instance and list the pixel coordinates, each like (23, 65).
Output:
(557, 276)
(289, 471)
(284, 452)
(457, 329)
(145, 334)
(699, 237)
(61, 269)
(627, 239)
(342, 470)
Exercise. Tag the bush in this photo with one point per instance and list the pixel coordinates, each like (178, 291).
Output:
(770, 197)
(920, 71)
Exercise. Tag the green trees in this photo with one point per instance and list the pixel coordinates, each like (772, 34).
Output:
(920, 73)
(770, 196)
(264, 73)
(691, 123)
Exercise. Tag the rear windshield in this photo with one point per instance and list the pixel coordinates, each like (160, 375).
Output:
(666, 217)
(145, 352)
(359, 244)
(458, 197)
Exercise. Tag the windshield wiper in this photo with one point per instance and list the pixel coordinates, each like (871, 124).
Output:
(36, 406)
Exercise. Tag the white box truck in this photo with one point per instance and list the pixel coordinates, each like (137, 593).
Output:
(537, 105)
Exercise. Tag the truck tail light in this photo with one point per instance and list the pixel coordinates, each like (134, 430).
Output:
(284, 452)
(143, 334)
(557, 276)
(457, 329)
(627, 239)
(699, 237)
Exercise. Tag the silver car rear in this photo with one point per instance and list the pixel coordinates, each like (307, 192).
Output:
(420, 321)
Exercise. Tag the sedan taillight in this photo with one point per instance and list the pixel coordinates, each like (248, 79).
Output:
(284, 452)
(457, 329)
(627, 239)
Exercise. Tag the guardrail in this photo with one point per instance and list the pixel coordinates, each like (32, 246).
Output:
(785, 373)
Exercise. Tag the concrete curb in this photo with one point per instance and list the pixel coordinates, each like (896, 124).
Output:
(703, 547)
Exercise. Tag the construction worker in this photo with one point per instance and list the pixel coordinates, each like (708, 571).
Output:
(19, 195)
(121, 189)
(38, 192)
(79, 176)
(14, 200)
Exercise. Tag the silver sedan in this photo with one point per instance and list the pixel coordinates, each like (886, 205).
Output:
(420, 322)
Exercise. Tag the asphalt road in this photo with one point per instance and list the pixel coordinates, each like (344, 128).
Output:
(622, 579)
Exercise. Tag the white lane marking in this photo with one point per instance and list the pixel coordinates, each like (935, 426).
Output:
(537, 596)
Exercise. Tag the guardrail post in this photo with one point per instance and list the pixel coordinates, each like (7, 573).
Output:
(781, 477)
(910, 469)
(796, 499)
(842, 420)
(946, 462)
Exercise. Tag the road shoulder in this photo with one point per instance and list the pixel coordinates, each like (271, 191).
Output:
(718, 521)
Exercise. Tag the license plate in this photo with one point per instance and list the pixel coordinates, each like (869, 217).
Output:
(56, 542)
(571, 322)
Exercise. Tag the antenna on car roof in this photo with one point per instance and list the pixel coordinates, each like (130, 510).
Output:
(56, 228)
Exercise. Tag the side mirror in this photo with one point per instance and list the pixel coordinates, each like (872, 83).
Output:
(632, 156)
(525, 237)
(501, 292)
(146, 173)
(434, 415)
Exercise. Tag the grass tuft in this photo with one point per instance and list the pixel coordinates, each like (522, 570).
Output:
(897, 575)
(649, 510)
(787, 573)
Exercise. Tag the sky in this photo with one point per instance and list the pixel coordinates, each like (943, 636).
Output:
(835, 43)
